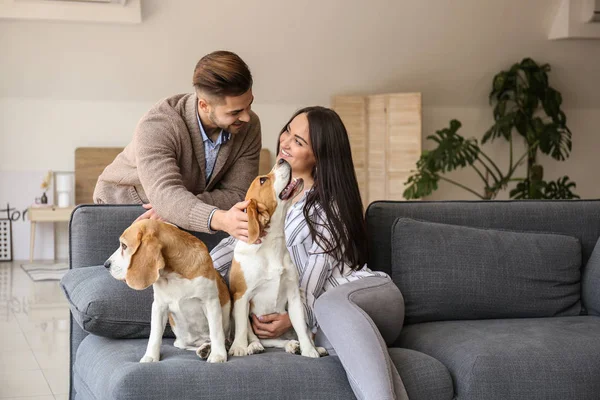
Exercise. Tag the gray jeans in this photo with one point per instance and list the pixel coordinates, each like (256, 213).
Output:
(357, 321)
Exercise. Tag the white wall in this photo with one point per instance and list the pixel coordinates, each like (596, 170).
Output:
(65, 85)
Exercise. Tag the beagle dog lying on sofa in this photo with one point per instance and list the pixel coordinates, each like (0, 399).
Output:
(263, 278)
(187, 288)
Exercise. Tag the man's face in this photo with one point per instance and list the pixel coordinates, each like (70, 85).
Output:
(231, 114)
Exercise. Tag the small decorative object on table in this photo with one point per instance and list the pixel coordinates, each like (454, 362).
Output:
(45, 185)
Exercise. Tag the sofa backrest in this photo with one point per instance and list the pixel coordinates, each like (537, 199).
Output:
(578, 218)
(95, 229)
(453, 259)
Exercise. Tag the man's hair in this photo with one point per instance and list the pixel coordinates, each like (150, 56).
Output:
(220, 74)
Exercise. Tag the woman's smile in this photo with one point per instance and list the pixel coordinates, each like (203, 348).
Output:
(285, 153)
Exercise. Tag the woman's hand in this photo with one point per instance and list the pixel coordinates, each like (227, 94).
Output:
(150, 214)
(271, 326)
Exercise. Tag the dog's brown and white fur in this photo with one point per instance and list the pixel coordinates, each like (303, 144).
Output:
(187, 289)
(263, 278)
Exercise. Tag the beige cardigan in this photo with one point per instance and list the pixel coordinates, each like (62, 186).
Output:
(164, 165)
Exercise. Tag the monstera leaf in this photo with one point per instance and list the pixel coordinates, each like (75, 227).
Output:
(453, 151)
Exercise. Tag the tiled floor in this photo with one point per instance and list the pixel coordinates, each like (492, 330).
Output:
(34, 337)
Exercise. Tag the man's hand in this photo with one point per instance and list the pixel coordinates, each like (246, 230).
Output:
(233, 221)
(150, 214)
(271, 326)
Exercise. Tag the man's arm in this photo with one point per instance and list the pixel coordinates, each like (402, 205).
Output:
(156, 148)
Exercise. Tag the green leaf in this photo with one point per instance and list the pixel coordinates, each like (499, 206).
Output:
(528, 63)
(499, 82)
(422, 183)
(555, 141)
(521, 124)
(500, 109)
(502, 127)
(527, 189)
(551, 103)
(453, 150)
(562, 188)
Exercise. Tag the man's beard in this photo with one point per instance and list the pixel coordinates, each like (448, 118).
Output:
(227, 128)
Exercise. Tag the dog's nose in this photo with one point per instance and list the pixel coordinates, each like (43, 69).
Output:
(280, 161)
(107, 264)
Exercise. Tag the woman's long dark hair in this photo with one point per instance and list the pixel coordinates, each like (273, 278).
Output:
(335, 189)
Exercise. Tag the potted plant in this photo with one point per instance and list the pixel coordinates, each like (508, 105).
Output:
(525, 106)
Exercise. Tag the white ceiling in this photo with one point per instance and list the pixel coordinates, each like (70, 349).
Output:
(300, 52)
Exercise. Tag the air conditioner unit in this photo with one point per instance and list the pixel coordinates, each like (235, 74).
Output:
(121, 2)
(591, 11)
(94, 1)
(576, 19)
(111, 11)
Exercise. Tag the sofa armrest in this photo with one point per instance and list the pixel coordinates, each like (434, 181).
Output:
(94, 231)
(590, 283)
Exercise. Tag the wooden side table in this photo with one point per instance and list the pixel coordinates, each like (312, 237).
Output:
(46, 214)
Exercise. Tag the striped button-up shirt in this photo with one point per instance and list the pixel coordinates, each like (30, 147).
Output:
(211, 149)
(317, 271)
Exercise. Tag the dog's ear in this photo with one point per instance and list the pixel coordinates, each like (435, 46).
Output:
(146, 262)
(253, 222)
(258, 218)
(263, 215)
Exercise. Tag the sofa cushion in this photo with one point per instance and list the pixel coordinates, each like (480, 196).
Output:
(108, 369)
(449, 272)
(530, 358)
(107, 307)
(424, 377)
(590, 283)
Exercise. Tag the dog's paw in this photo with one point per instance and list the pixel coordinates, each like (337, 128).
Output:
(237, 351)
(148, 359)
(293, 347)
(310, 352)
(322, 351)
(215, 357)
(204, 350)
(255, 348)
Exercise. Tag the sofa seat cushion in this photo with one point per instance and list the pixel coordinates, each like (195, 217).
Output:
(534, 358)
(590, 283)
(107, 307)
(452, 272)
(424, 377)
(107, 369)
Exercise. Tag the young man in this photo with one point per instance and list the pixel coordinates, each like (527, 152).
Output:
(193, 156)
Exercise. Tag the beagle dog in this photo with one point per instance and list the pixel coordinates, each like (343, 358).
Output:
(263, 278)
(188, 291)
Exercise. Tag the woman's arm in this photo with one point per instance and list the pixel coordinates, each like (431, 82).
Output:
(313, 276)
(222, 255)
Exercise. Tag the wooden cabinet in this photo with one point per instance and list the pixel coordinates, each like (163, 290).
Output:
(385, 136)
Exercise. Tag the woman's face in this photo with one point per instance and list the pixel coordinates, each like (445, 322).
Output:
(295, 147)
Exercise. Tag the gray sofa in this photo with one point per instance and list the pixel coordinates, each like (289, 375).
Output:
(502, 301)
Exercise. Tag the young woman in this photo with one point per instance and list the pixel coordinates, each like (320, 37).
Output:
(327, 239)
